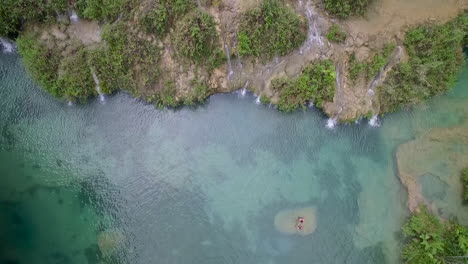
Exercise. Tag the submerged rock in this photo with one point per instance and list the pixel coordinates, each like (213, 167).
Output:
(109, 240)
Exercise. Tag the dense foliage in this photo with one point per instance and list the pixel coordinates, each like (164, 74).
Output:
(315, 84)
(346, 8)
(162, 15)
(371, 67)
(270, 29)
(13, 13)
(430, 241)
(336, 34)
(464, 179)
(115, 63)
(435, 57)
(197, 39)
(101, 9)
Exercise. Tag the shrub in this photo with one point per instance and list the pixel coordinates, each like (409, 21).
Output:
(316, 83)
(336, 34)
(163, 14)
(356, 68)
(346, 8)
(76, 79)
(101, 9)
(166, 96)
(200, 91)
(269, 30)
(197, 39)
(15, 12)
(40, 62)
(430, 241)
(435, 57)
(464, 179)
(265, 99)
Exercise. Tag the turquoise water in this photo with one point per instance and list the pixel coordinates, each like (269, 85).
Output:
(123, 182)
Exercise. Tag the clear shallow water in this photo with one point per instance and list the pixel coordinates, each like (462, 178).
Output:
(198, 185)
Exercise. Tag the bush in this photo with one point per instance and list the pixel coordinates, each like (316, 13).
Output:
(336, 34)
(197, 39)
(40, 62)
(265, 99)
(356, 68)
(346, 8)
(464, 179)
(316, 83)
(166, 96)
(269, 30)
(76, 81)
(200, 91)
(435, 57)
(15, 12)
(101, 9)
(430, 241)
(163, 14)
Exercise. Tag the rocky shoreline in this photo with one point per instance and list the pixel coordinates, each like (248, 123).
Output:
(353, 99)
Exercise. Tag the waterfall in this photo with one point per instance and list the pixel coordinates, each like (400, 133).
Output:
(7, 45)
(331, 123)
(70, 103)
(313, 34)
(74, 16)
(228, 56)
(102, 98)
(374, 121)
(244, 89)
(257, 99)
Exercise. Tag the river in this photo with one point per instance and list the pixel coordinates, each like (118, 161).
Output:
(120, 181)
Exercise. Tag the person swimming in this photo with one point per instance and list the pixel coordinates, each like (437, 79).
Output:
(299, 223)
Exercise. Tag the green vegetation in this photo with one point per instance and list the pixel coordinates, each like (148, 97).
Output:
(316, 83)
(430, 241)
(371, 67)
(42, 64)
(435, 57)
(265, 99)
(464, 179)
(116, 62)
(200, 92)
(101, 9)
(336, 34)
(166, 96)
(269, 30)
(13, 13)
(163, 14)
(197, 39)
(346, 8)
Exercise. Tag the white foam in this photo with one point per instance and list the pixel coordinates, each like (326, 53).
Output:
(243, 91)
(331, 123)
(74, 16)
(102, 97)
(374, 121)
(70, 103)
(257, 100)
(7, 45)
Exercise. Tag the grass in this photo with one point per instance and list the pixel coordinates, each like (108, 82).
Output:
(316, 83)
(102, 10)
(430, 241)
(371, 67)
(269, 30)
(345, 8)
(435, 57)
(162, 15)
(464, 179)
(196, 38)
(13, 13)
(336, 34)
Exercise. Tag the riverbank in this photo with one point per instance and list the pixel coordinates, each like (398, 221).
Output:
(133, 55)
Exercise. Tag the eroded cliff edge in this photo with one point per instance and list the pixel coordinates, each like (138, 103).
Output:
(152, 65)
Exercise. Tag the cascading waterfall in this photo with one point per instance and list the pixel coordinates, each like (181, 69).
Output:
(228, 56)
(74, 16)
(244, 89)
(374, 121)
(331, 123)
(257, 99)
(7, 46)
(313, 34)
(102, 98)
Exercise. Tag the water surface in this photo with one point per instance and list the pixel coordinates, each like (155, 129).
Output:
(198, 185)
